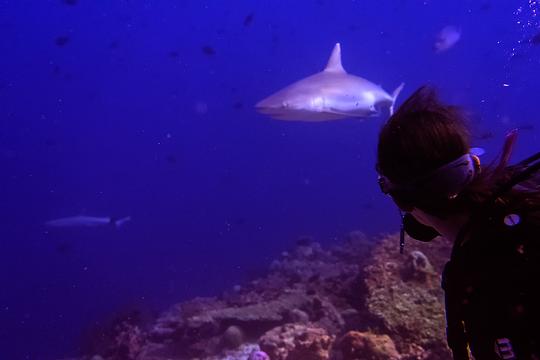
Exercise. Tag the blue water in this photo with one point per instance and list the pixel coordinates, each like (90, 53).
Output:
(145, 108)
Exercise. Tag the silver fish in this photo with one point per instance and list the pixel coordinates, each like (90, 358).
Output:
(446, 38)
(329, 95)
(87, 221)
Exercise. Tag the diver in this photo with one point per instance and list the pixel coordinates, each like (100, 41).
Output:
(491, 214)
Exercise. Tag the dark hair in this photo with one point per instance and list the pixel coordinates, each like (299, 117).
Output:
(425, 134)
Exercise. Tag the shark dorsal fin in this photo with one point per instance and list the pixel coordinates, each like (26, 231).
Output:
(334, 63)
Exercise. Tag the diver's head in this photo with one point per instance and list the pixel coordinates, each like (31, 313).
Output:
(423, 157)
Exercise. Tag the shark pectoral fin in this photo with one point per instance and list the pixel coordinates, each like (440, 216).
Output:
(118, 222)
(334, 63)
(395, 94)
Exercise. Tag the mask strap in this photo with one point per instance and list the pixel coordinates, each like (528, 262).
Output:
(401, 232)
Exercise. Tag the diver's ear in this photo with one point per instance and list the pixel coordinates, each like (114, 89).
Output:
(477, 165)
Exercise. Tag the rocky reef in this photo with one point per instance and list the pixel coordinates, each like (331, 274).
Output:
(360, 299)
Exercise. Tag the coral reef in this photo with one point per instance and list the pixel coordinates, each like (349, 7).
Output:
(358, 345)
(297, 342)
(403, 295)
(359, 299)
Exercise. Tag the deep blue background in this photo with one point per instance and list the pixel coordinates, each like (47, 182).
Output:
(110, 124)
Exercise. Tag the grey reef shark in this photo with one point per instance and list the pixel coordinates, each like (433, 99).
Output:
(87, 221)
(329, 95)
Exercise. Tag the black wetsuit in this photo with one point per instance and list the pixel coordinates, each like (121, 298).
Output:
(492, 286)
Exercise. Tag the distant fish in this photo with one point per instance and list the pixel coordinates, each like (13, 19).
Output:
(87, 221)
(70, 2)
(329, 95)
(526, 126)
(64, 247)
(171, 159)
(485, 6)
(208, 50)
(446, 38)
(61, 40)
(535, 40)
(248, 19)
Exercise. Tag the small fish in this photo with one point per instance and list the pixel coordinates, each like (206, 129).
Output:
(535, 40)
(248, 19)
(61, 41)
(485, 6)
(329, 95)
(70, 2)
(87, 221)
(526, 127)
(171, 159)
(64, 247)
(208, 50)
(446, 38)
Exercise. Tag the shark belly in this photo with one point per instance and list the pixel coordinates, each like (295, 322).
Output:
(328, 95)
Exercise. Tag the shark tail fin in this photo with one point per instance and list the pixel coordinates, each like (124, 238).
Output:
(118, 222)
(395, 94)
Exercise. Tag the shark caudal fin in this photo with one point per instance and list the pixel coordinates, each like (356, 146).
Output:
(395, 94)
(120, 222)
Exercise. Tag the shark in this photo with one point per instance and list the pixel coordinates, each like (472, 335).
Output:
(330, 94)
(87, 221)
